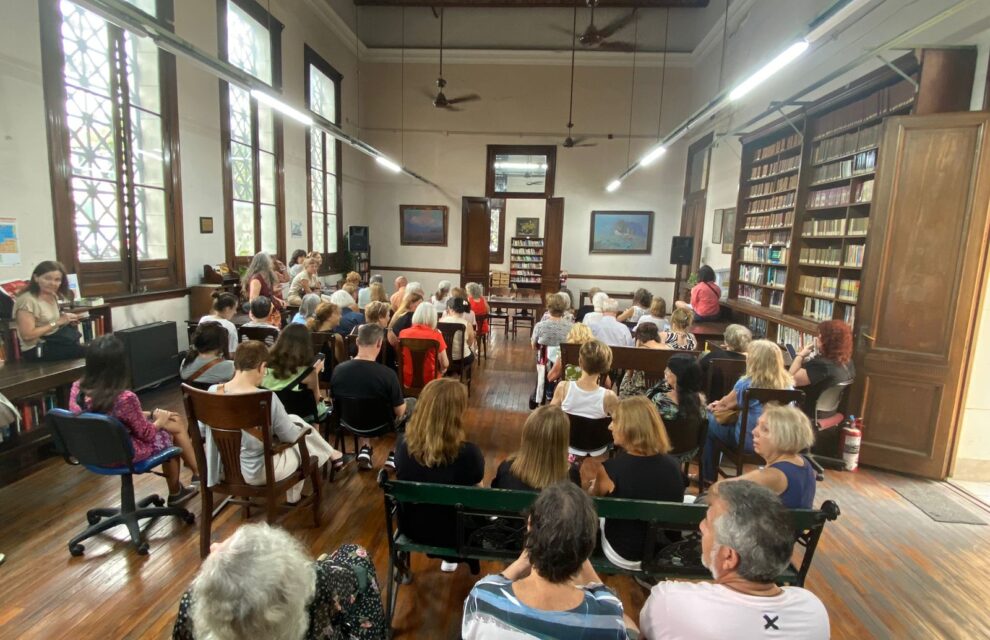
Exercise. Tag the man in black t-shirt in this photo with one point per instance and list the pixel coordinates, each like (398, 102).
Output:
(363, 378)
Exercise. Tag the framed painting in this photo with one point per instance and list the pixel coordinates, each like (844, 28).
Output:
(717, 226)
(528, 227)
(423, 225)
(728, 229)
(621, 232)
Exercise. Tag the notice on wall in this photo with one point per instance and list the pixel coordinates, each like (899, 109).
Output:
(10, 252)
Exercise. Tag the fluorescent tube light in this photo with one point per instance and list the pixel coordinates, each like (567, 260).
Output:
(524, 166)
(281, 107)
(612, 186)
(652, 155)
(388, 164)
(788, 56)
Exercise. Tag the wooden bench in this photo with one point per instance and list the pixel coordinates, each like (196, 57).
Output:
(708, 332)
(491, 525)
(651, 362)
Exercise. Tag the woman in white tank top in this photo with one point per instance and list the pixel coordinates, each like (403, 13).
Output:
(586, 397)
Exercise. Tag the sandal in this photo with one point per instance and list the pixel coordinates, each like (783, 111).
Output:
(337, 464)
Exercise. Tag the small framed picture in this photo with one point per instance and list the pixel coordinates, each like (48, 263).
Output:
(728, 229)
(206, 225)
(528, 227)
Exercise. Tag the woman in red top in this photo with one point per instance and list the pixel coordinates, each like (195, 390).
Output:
(261, 280)
(704, 297)
(424, 325)
(478, 304)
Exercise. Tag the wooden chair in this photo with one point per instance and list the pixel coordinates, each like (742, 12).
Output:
(419, 350)
(687, 439)
(288, 313)
(228, 418)
(524, 317)
(268, 335)
(723, 373)
(454, 333)
(480, 319)
(651, 362)
(589, 437)
(498, 315)
(738, 454)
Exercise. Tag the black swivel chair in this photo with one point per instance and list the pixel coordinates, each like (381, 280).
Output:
(102, 445)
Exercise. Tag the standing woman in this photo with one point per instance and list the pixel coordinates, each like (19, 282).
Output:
(43, 330)
(261, 280)
(224, 309)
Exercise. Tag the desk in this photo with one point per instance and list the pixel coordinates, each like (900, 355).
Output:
(521, 304)
(20, 379)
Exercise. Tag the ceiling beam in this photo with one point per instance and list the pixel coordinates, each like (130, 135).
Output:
(525, 4)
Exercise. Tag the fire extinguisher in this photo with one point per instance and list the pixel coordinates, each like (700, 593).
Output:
(852, 437)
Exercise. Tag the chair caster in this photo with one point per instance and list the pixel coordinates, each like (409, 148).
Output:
(76, 549)
(158, 501)
(92, 518)
(143, 549)
(190, 517)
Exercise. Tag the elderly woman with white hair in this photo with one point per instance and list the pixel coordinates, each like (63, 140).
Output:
(439, 299)
(350, 317)
(598, 302)
(307, 309)
(424, 326)
(261, 583)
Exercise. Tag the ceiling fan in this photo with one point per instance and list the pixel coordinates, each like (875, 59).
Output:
(570, 142)
(597, 37)
(441, 101)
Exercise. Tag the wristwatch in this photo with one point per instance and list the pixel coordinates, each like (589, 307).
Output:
(53, 324)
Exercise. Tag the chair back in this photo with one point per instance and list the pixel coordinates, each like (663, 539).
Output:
(589, 435)
(268, 335)
(831, 398)
(364, 417)
(321, 342)
(228, 416)
(419, 350)
(94, 439)
(687, 435)
(297, 397)
(651, 362)
(499, 292)
(453, 333)
(723, 373)
(288, 313)
(479, 322)
(763, 396)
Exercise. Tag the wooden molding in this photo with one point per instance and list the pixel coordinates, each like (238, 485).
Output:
(581, 276)
(416, 269)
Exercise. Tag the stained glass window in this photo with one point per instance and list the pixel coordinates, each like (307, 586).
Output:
(324, 173)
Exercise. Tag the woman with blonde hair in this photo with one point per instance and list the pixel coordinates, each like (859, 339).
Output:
(542, 457)
(435, 449)
(325, 320)
(764, 370)
(641, 471)
(376, 293)
(402, 318)
(657, 315)
(679, 337)
(304, 283)
(586, 397)
(353, 277)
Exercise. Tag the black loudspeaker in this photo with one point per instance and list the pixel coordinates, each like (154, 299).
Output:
(681, 248)
(357, 238)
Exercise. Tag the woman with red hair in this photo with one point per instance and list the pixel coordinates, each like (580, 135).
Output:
(831, 366)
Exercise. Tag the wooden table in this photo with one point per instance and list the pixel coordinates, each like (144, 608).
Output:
(23, 378)
(521, 304)
(618, 295)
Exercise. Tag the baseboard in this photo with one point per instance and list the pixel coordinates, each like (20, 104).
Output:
(972, 469)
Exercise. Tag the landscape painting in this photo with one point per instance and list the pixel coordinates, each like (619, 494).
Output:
(621, 231)
(422, 225)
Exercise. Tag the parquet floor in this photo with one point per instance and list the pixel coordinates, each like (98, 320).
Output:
(884, 570)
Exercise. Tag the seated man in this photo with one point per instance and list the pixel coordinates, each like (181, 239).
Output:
(364, 378)
(609, 330)
(743, 602)
(260, 313)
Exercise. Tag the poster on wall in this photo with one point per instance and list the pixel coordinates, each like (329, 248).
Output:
(528, 227)
(10, 252)
(728, 229)
(296, 229)
(423, 225)
(621, 232)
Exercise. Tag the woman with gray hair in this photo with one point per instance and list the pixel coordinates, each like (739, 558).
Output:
(261, 583)
(424, 326)
(737, 338)
(308, 308)
(260, 280)
(439, 299)
(598, 302)
(350, 317)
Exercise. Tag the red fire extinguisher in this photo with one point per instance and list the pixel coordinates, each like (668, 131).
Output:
(852, 437)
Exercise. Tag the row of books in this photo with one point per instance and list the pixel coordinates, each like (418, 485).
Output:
(858, 226)
(825, 256)
(777, 300)
(860, 163)
(524, 272)
(849, 290)
(538, 242)
(818, 310)
(776, 276)
(33, 411)
(849, 315)
(771, 203)
(876, 104)
(748, 293)
(776, 255)
(773, 168)
(836, 196)
(854, 255)
(863, 191)
(782, 238)
(783, 144)
(818, 285)
(773, 186)
(793, 337)
(751, 273)
(525, 280)
(784, 219)
(527, 259)
(824, 227)
(758, 327)
(526, 252)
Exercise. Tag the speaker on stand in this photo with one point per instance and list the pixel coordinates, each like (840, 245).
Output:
(681, 250)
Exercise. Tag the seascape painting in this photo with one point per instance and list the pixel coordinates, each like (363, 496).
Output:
(422, 225)
(621, 231)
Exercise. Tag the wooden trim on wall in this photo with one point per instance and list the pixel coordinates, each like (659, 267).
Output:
(581, 276)
(416, 269)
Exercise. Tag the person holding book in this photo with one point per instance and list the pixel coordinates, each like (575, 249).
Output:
(44, 331)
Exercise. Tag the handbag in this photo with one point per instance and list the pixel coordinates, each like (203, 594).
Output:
(64, 344)
(726, 416)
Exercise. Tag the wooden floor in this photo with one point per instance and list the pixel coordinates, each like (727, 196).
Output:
(884, 570)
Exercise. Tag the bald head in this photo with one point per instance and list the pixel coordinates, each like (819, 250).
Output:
(400, 282)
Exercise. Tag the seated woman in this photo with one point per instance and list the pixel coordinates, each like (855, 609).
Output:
(424, 326)
(737, 338)
(261, 280)
(586, 397)
(832, 365)
(479, 306)
(350, 317)
(642, 299)
(261, 583)
(554, 329)
(440, 297)
(542, 457)
(434, 449)
(679, 395)
(551, 591)
(103, 389)
(364, 293)
(781, 434)
(634, 382)
(250, 365)
(579, 333)
(291, 355)
(296, 262)
(304, 283)
(678, 337)
(207, 360)
(307, 309)
(657, 315)
(403, 317)
(263, 314)
(376, 293)
(597, 303)
(456, 309)
(705, 297)
(223, 311)
(457, 292)
(43, 330)
(764, 370)
(641, 471)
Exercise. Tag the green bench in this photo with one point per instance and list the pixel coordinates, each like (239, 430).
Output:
(491, 526)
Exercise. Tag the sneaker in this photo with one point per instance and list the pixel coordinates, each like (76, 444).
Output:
(390, 461)
(194, 481)
(182, 497)
(364, 458)
(448, 567)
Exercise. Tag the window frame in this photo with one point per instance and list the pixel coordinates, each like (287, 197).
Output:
(550, 151)
(127, 276)
(498, 257)
(274, 27)
(311, 57)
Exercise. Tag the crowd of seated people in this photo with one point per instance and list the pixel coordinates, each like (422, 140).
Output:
(208, 359)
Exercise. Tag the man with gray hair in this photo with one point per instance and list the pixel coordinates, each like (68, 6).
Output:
(609, 330)
(598, 299)
(364, 293)
(746, 541)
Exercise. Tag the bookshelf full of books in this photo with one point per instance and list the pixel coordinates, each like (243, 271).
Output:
(804, 203)
(526, 262)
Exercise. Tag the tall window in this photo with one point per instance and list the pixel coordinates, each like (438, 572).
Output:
(113, 141)
(251, 133)
(496, 241)
(323, 155)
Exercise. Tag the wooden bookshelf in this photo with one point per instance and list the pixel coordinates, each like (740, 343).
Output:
(526, 262)
(362, 264)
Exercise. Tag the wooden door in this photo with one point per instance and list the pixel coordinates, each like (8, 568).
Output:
(693, 211)
(475, 240)
(925, 264)
(553, 240)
